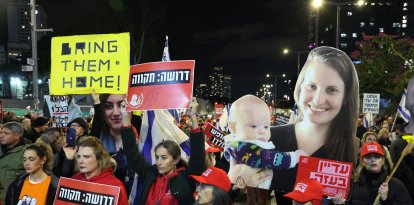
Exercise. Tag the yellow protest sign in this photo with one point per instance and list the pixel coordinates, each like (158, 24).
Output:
(86, 62)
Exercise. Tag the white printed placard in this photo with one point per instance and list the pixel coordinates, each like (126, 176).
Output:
(371, 103)
(58, 109)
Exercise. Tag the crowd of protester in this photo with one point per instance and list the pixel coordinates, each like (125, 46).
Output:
(34, 154)
(34, 157)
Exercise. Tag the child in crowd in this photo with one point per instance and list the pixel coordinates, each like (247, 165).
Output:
(248, 143)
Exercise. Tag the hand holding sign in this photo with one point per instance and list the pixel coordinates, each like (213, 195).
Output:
(192, 107)
(255, 177)
(407, 150)
(192, 110)
(126, 116)
(383, 191)
(95, 97)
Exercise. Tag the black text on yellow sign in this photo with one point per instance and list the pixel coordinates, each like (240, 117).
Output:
(99, 62)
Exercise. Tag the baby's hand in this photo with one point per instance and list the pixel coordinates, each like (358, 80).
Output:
(299, 153)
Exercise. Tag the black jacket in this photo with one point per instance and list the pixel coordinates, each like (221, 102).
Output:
(364, 193)
(62, 166)
(13, 192)
(180, 186)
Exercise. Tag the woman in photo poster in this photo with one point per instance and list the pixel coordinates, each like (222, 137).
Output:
(327, 95)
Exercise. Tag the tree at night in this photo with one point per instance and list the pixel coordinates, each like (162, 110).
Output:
(386, 66)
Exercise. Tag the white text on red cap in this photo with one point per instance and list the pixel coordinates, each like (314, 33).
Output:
(207, 172)
(372, 148)
(301, 187)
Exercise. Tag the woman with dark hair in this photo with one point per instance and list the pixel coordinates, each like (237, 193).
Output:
(107, 127)
(327, 95)
(370, 177)
(165, 182)
(213, 187)
(95, 165)
(38, 185)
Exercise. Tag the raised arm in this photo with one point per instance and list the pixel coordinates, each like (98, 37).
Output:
(196, 165)
(97, 118)
(134, 158)
(258, 157)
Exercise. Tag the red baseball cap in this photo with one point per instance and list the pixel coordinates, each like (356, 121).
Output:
(215, 177)
(307, 190)
(371, 147)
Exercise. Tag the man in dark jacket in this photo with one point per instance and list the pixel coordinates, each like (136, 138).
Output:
(12, 146)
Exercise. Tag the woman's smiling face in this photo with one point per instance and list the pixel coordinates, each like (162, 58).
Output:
(322, 94)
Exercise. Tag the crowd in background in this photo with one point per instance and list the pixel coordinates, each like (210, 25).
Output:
(40, 139)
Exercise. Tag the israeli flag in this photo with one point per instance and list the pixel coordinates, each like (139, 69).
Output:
(157, 126)
(368, 120)
(166, 52)
(294, 114)
(404, 113)
(223, 123)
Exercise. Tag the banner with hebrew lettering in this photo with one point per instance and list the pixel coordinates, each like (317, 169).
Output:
(86, 62)
(335, 176)
(71, 192)
(214, 137)
(58, 109)
(161, 85)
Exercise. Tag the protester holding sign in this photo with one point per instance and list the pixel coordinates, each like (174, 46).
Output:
(369, 180)
(405, 172)
(409, 104)
(372, 137)
(95, 166)
(37, 185)
(167, 181)
(327, 94)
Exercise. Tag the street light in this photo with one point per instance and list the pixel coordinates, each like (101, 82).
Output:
(318, 3)
(286, 52)
(275, 76)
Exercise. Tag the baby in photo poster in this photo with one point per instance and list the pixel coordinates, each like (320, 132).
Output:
(248, 143)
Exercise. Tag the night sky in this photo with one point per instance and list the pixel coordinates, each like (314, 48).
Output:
(244, 37)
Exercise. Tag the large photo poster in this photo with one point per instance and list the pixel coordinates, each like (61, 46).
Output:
(326, 94)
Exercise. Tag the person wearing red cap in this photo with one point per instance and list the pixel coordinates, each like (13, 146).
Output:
(213, 187)
(369, 180)
(307, 192)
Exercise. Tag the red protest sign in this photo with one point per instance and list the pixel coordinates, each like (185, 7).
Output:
(160, 85)
(71, 191)
(333, 175)
(214, 136)
(219, 110)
